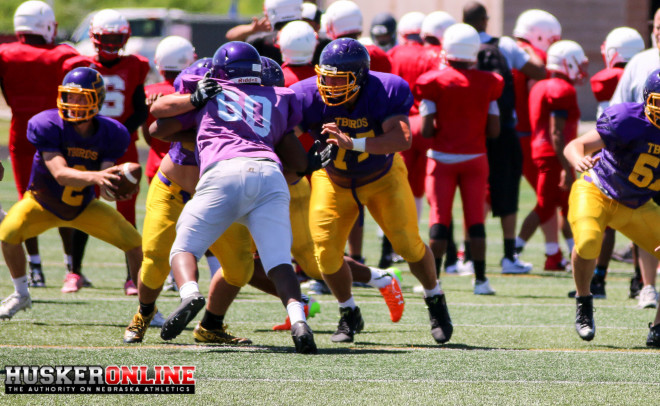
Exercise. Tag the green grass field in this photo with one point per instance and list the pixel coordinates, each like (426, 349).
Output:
(518, 347)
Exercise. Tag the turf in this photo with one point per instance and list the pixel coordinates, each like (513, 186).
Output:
(517, 347)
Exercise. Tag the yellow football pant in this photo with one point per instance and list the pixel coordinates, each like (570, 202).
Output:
(302, 248)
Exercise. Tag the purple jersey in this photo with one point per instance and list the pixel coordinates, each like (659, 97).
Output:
(183, 153)
(384, 96)
(241, 121)
(629, 165)
(49, 133)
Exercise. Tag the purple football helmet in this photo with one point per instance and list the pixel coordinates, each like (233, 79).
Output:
(343, 58)
(652, 98)
(238, 62)
(271, 73)
(81, 95)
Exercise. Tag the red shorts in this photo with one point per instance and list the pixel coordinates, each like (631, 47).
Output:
(441, 181)
(549, 196)
(530, 172)
(415, 157)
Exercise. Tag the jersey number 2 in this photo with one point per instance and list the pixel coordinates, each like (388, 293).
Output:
(72, 195)
(642, 173)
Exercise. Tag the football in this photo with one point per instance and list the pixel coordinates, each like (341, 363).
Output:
(130, 174)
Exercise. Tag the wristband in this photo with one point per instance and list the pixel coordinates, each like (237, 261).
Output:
(359, 144)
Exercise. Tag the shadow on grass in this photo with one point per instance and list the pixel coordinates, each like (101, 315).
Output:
(60, 302)
(77, 324)
(221, 348)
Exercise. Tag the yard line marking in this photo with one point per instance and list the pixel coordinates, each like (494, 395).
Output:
(352, 379)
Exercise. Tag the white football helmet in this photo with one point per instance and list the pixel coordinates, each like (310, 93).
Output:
(174, 53)
(297, 42)
(461, 43)
(538, 27)
(109, 31)
(309, 11)
(35, 17)
(567, 57)
(410, 24)
(282, 11)
(343, 17)
(620, 45)
(435, 24)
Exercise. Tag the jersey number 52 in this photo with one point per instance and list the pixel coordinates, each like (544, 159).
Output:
(642, 173)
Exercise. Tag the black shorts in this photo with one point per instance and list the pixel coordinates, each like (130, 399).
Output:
(505, 165)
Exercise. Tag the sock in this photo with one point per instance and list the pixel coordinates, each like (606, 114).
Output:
(188, 289)
(349, 303)
(467, 251)
(570, 243)
(437, 290)
(147, 308)
(21, 285)
(520, 243)
(386, 248)
(214, 264)
(438, 266)
(379, 278)
(68, 260)
(419, 203)
(35, 259)
(551, 248)
(509, 248)
(296, 312)
(479, 270)
(600, 271)
(212, 321)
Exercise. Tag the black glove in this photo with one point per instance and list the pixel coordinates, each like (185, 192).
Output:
(317, 160)
(207, 88)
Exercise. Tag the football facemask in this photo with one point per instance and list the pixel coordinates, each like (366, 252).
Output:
(335, 95)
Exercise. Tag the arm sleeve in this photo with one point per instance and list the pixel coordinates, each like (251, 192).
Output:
(140, 110)
(400, 99)
(428, 108)
(623, 92)
(45, 137)
(606, 127)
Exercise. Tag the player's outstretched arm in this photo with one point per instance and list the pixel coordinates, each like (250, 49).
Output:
(176, 103)
(67, 176)
(395, 138)
(241, 32)
(578, 152)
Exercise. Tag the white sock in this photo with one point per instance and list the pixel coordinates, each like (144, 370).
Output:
(21, 285)
(437, 290)
(419, 202)
(551, 248)
(214, 264)
(379, 278)
(188, 289)
(349, 303)
(296, 312)
(35, 259)
(379, 232)
(570, 243)
(520, 243)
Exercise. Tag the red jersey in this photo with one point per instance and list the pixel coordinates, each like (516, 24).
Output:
(409, 61)
(548, 96)
(158, 148)
(121, 80)
(296, 73)
(380, 62)
(462, 98)
(521, 88)
(604, 83)
(432, 57)
(30, 75)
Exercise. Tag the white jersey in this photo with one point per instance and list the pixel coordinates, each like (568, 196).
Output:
(631, 85)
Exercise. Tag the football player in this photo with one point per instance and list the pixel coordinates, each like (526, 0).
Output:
(30, 71)
(458, 150)
(365, 114)
(615, 190)
(383, 30)
(125, 101)
(76, 150)
(433, 28)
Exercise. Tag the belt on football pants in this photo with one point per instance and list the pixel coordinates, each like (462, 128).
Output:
(591, 177)
(184, 195)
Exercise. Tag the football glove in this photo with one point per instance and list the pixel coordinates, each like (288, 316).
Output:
(317, 159)
(207, 88)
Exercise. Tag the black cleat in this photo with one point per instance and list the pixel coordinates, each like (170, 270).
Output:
(441, 327)
(181, 316)
(37, 279)
(636, 286)
(653, 339)
(303, 338)
(350, 323)
(584, 318)
(597, 291)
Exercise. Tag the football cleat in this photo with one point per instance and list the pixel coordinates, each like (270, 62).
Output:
(135, 331)
(130, 289)
(72, 283)
(181, 316)
(441, 326)
(12, 304)
(393, 298)
(555, 262)
(86, 282)
(584, 318)
(516, 266)
(653, 339)
(37, 279)
(350, 323)
(218, 336)
(648, 297)
(311, 307)
(483, 288)
(303, 338)
(158, 320)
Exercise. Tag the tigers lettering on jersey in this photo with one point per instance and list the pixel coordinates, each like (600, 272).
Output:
(74, 152)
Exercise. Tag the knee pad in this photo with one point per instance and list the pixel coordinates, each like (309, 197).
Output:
(439, 232)
(588, 244)
(477, 231)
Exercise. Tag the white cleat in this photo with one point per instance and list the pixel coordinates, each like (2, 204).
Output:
(516, 266)
(12, 304)
(483, 288)
(648, 297)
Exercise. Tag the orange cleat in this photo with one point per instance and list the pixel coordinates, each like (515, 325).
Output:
(394, 299)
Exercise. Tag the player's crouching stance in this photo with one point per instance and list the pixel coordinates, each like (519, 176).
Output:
(238, 131)
(76, 150)
(615, 190)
